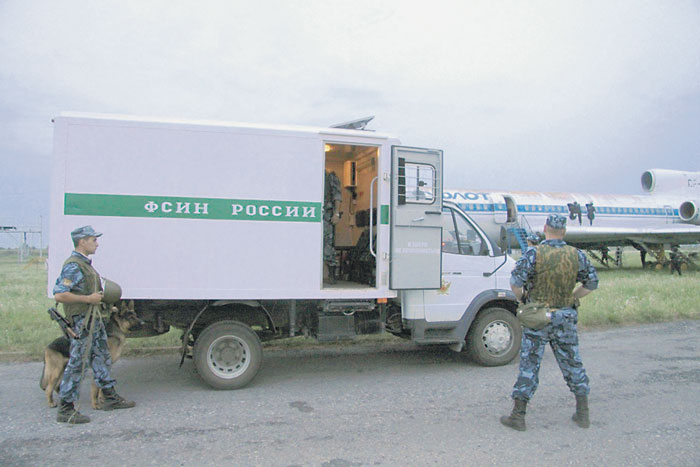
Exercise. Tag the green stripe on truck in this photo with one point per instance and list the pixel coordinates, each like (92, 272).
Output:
(177, 207)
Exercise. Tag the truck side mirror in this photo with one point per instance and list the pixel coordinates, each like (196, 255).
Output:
(506, 252)
(505, 260)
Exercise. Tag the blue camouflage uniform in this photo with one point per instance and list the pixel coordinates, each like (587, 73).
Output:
(72, 279)
(561, 333)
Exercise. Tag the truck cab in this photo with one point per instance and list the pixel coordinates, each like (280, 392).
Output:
(474, 304)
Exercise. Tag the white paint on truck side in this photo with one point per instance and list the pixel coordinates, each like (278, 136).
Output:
(199, 210)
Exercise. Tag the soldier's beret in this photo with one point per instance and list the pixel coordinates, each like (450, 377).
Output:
(82, 232)
(556, 221)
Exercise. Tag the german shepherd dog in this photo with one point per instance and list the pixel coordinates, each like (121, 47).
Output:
(56, 354)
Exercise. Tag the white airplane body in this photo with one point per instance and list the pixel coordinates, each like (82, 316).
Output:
(669, 214)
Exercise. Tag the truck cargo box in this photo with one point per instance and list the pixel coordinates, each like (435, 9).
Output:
(211, 210)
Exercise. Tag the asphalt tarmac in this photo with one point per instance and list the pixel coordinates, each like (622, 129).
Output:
(386, 406)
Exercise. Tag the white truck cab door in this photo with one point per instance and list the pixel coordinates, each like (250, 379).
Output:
(467, 255)
(416, 209)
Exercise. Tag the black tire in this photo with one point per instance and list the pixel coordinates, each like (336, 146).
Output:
(227, 355)
(494, 337)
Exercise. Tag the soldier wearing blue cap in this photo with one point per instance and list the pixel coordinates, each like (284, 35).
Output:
(550, 272)
(79, 289)
(532, 240)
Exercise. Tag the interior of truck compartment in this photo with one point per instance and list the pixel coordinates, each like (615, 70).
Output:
(347, 260)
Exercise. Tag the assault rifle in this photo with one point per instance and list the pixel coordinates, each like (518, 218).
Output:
(62, 323)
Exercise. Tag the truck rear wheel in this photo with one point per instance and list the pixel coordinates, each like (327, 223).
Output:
(494, 337)
(227, 355)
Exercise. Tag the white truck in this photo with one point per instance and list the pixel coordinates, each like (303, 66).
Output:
(216, 228)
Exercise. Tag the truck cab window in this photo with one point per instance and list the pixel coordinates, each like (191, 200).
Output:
(459, 237)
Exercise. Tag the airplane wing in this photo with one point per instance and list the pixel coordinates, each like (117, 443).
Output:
(619, 236)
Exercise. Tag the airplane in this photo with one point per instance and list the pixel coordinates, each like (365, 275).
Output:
(668, 214)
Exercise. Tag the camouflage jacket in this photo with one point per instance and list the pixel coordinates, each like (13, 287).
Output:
(524, 272)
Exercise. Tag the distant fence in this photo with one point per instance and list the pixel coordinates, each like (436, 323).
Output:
(24, 254)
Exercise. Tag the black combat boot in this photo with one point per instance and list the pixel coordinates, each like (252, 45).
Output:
(115, 401)
(516, 419)
(581, 415)
(68, 414)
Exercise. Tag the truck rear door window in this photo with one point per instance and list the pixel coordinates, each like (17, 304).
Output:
(419, 183)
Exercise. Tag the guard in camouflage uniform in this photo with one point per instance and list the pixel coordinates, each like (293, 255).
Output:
(79, 289)
(550, 271)
(532, 240)
(331, 215)
(676, 260)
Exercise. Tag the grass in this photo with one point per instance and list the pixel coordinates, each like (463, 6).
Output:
(635, 295)
(625, 296)
(25, 326)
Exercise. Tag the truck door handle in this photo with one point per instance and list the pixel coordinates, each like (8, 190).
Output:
(433, 212)
(418, 219)
(371, 215)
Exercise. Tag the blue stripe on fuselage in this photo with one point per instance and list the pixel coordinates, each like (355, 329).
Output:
(546, 208)
(480, 202)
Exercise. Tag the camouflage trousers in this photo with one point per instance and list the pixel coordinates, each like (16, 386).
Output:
(562, 336)
(329, 254)
(99, 360)
(676, 267)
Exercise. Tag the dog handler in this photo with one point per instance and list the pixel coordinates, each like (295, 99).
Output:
(79, 289)
(550, 271)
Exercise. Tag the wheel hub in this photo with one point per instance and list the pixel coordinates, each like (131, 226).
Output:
(228, 357)
(497, 337)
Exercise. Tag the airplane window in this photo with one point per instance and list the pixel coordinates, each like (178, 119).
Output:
(459, 237)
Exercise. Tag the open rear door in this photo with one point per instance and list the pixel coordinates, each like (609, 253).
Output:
(416, 232)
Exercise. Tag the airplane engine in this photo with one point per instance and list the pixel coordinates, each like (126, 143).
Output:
(689, 212)
(661, 180)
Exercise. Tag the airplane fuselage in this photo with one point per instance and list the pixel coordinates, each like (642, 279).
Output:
(592, 219)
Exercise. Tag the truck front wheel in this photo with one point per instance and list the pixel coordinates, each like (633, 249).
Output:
(494, 337)
(227, 355)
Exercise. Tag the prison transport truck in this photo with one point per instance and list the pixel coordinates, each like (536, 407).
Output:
(217, 229)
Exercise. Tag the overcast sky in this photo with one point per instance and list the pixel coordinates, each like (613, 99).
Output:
(528, 95)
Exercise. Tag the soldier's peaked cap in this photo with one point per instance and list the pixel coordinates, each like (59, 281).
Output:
(82, 232)
(556, 221)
